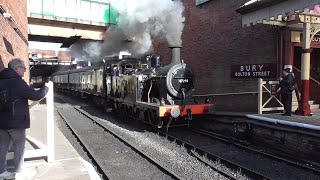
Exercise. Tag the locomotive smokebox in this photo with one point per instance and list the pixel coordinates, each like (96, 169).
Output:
(176, 59)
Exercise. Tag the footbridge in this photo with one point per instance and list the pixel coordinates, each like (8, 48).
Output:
(67, 21)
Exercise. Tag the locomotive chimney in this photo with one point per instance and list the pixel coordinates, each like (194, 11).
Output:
(176, 59)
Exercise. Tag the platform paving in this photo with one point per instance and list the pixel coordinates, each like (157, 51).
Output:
(313, 120)
(67, 163)
(309, 120)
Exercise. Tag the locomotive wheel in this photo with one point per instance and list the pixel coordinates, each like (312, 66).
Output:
(154, 120)
(146, 117)
(107, 108)
(123, 112)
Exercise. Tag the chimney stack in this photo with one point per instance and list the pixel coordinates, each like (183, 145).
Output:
(176, 59)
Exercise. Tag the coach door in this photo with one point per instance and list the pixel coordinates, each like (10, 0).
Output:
(99, 79)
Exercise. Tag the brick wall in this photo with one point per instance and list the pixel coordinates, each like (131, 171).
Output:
(47, 54)
(214, 39)
(11, 44)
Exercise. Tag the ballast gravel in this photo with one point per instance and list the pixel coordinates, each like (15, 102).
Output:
(117, 160)
(162, 150)
(167, 153)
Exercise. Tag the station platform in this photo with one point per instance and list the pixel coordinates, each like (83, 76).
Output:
(295, 120)
(66, 163)
(308, 122)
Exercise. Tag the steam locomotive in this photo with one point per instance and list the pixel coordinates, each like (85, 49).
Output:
(140, 88)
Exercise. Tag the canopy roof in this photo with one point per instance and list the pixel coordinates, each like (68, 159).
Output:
(275, 11)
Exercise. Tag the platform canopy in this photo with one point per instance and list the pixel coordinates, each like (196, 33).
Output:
(294, 14)
(276, 12)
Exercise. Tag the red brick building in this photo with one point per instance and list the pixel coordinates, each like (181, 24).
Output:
(214, 42)
(13, 32)
(50, 54)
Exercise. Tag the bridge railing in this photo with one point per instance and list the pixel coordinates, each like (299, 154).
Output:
(77, 11)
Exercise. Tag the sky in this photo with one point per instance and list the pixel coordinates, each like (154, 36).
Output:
(44, 46)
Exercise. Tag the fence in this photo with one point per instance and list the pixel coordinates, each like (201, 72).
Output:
(272, 90)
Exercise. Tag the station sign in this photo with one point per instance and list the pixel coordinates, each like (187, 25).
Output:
(265, 71)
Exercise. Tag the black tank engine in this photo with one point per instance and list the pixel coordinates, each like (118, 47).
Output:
(140, 88)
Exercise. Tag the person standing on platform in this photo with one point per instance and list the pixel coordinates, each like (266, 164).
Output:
(15, 115)
(287, 84)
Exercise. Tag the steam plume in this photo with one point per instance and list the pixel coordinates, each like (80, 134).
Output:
(139, 22)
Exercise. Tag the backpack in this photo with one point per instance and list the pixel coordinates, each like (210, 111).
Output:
(4, 99)
(5, 95)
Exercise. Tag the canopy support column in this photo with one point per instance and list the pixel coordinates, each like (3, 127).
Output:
(304, 107)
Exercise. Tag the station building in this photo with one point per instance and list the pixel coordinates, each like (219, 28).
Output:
(228, 56)
(13, 33)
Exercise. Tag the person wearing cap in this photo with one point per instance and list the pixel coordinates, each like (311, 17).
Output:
(287, 86)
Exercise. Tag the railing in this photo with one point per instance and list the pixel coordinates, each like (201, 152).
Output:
(99, 11)
(273, 91)
(42, 150)
(50, 63)
(314, 80)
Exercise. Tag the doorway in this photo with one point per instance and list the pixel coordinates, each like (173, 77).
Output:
(314, 70)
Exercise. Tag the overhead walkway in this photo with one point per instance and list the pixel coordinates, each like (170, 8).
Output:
(60, 20)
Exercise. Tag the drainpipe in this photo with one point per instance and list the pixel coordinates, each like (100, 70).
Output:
(280, 54)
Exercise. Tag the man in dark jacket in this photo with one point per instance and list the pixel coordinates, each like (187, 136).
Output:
(287, 86)
(15, 118)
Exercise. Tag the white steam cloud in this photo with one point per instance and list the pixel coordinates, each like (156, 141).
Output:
(87, 51)
(139, 22)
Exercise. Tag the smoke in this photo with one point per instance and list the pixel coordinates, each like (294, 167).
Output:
(86, 51)
(139, 22)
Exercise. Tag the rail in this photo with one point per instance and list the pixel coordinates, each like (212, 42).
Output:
(192, 149)
(314, 80)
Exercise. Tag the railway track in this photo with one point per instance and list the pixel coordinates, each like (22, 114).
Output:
(300, 163)
(169, 158)
(198, 141)
(198, 152)
(228, 168)
(101, 131)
